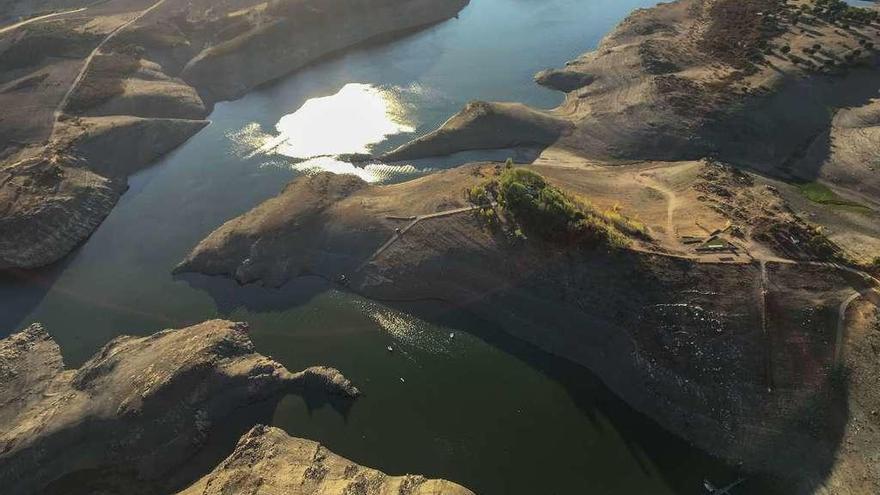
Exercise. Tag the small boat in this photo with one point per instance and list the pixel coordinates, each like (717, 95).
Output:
(452, 335)
(390, 349)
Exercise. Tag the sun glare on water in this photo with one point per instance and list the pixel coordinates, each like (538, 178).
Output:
(348, 122)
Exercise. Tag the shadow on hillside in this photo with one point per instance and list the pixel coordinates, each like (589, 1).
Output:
(684, 467)
(124, 479)
(787, 134)
(219, 444)
(229, 296)
(21, 291)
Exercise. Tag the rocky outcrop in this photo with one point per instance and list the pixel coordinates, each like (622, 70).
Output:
(285, 236)
(150, 93)
(482, 126)
(141, 405)
(29, 361)
(48, 206)
(268, 462)
(117, 146)
(327, 225)
(564, 80)
(262, 53)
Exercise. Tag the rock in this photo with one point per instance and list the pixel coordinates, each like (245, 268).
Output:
(118, 146)
(326, 380)
(326, 225)
(564, 80)
(145, 404)
(152, 94)
(48, 206)
(482, 126)
(268, 462)
(28, 362)
(278, 239)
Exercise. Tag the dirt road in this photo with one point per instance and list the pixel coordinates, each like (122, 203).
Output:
(404, 230)
(17, 25)
(59, 110)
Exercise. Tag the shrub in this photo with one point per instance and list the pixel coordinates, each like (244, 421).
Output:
(535, 207)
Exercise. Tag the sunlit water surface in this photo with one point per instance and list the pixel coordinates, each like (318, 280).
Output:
(458, 400)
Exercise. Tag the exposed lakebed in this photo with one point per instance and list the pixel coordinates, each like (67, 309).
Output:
(461, 400)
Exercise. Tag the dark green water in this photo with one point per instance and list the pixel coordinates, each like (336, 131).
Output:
(481, 408)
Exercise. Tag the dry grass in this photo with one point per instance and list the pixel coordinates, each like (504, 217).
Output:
(739, 28)
(104, 80)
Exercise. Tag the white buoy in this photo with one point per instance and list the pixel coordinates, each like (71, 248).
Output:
(402, 380)
(452, 335)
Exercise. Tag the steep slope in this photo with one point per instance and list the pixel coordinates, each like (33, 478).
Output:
(268, 462)
(141, 404)
(48, 207)
(120, 85)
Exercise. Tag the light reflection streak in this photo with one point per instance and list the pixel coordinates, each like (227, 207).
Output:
(351, 121)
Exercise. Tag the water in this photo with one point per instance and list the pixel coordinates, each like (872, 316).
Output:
(479, 408)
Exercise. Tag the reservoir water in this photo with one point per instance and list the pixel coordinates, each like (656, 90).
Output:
(460, 400)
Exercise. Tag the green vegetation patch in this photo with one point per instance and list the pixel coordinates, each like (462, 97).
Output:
(532, 206)
(822, 194)
(840, 11)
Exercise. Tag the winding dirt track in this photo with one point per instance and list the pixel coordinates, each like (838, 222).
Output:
(17, 25)
(763, 288)
(768, 342)
(872, 295)
(671, 203)
(419, 218)
(59, 110)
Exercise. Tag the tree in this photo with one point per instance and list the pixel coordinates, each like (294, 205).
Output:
(785, 49)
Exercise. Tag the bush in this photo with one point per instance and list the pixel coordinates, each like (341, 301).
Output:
(537, 208)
